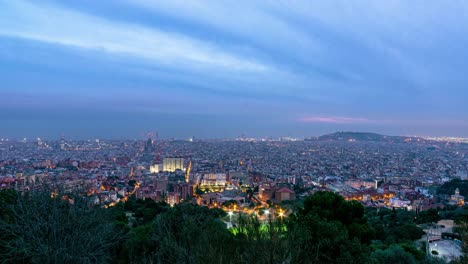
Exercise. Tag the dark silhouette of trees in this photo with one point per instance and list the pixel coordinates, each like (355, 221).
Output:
(38, 228)
(65, 228)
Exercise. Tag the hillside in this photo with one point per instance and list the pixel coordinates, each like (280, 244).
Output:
(361, 136)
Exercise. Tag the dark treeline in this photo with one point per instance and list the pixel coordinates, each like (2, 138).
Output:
(449, 187)
(38, 228)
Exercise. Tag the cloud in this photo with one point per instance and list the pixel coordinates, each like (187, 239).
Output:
(335, 120)
(346, 60)
(62, 26)
(251, 20)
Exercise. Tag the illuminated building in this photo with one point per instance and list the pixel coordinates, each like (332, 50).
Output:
(173, 198)
(362, 184)
(156, 168)
(266, 191)
(214, 179)
(457, 199)
(173, 164)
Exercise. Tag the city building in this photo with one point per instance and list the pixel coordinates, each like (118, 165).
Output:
(457, 199)
(156, 168)
(214, 179)
(173, 198)
(266, 191)
(285, 194)
(173, 164)
(362, 184)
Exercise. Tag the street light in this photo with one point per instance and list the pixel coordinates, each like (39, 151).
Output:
(267, 212)
(281, 214)
(230, 216)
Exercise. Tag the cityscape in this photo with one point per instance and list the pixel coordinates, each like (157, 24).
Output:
(263, 178)
(233, 132)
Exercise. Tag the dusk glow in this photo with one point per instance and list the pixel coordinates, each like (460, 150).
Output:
(335, 120)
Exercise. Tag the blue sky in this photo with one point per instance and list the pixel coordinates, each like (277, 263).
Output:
(117, 69)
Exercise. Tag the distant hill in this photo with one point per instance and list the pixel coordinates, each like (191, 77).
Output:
(361, 136)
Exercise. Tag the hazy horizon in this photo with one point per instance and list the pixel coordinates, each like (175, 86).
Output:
(155, 136)
(220, 69)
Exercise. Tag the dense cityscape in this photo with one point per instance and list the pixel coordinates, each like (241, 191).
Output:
(263, 178)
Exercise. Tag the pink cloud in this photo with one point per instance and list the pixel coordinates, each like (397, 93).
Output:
(335, 120)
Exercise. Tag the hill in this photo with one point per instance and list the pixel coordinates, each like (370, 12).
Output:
(361, 136)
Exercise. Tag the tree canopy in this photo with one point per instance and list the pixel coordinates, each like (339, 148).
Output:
(66, 228)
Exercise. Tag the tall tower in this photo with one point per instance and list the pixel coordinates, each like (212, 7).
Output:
(149, 144)
(158, 145)
(62, 141)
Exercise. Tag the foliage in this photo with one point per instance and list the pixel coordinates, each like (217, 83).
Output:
(449, 187)
(393, 254)
(66, 229)
(36, 228)
(394, 226)
(199, 191)
(429, 216)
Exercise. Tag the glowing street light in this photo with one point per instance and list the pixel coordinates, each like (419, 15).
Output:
(281, 214)
(267, 212)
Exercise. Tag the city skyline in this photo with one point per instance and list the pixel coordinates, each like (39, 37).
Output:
(116, 69)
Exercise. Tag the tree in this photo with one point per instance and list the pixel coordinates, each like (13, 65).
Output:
(199, 191)
(462, 229)
(428, 216)
(449, 187)
(38, 228)
(329, 230)
(321, 241)
(394, 254)
(132, 183)
(65, 229)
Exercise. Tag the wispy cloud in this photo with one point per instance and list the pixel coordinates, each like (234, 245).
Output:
(251, 20)
(335, 120)
(62, 26)
(333, 62)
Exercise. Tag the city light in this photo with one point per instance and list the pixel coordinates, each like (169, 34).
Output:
(281, 214)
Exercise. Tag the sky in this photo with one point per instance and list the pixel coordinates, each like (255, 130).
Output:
(217, 69)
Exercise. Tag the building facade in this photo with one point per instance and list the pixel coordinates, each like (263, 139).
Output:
(173, 164)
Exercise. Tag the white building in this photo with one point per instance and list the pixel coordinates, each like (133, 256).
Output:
(396, 202)
(156, 168)
(173, 164)
(214, 179)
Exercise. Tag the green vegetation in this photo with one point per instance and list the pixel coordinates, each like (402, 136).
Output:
(37, 228)
(449, 187)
